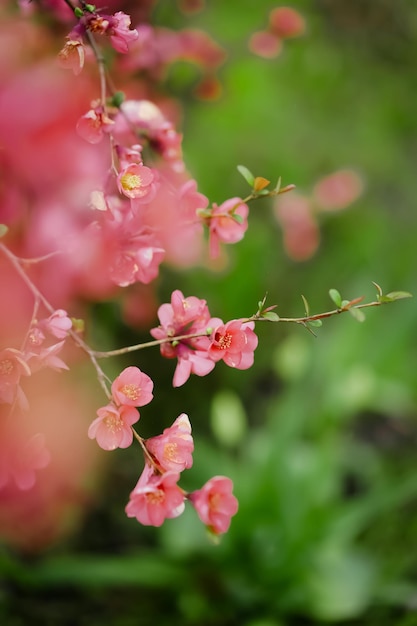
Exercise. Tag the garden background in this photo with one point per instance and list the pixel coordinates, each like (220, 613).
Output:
(320, 436)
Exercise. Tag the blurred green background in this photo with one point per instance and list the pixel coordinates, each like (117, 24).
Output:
(320, 436)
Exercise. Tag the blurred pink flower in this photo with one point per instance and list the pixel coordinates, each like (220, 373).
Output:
(215, 504)
(58, 324)
(13, 365)
(337, 190)
(93, 125)
(20, 458)
(227, 223)
(287, 22)
(265, 44)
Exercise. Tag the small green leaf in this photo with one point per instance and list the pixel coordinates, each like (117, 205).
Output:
(117, 99)
(278, 186)
(78, 12)
(306, 306)
(378, 288)
(315, 323)
(358, 314)
(336, 297)
(78, 324)
(344, 304)
(3, 230)
(90, 7)
(238, 218)
(203, 213)
(397, 295)
(271, 316)
(247, 174)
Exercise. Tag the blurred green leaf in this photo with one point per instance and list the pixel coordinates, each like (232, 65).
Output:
(247, 175)
(395, 295)
(358, 314)
(336, 297)
(228, 418)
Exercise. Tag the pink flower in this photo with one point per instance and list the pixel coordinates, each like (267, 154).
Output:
(19, 459)
(173, 449)
(286, 22)
(121, 36)
(137, 182)
(47, 357)
(301, 233)
(72, 56)
(265, 44)
(185, 316)
(130, 250)
(234, 342)
(215, 504)
(132, 388)
(155, 498)
(58, 324)
(93, 125)
(112, 427)
(13, 365)
(336, 191)
(227, 223)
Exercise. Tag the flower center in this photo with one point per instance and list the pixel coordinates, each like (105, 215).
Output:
(155, 497)
(131, 181)
(113, 423)
(131, 391)
(171, 451)
(224, 341)
(6, 367)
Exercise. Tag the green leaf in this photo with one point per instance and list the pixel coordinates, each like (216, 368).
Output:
(358, 314)
(271, 316)
(396, 295)
(344, 303)
(238, 218)
(306, 306)
(336, 297)
(228, 418)
(117, 99)
(247, 174)
(3, 230)
(278, 186)
(315, 323)
(379, 289)
(78, 12)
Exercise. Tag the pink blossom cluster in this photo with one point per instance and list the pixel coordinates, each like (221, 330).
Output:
(156, 48)
(283, 23)
(146, 210)
(199, 341)
(157, 495)
(38, 352)
(298, 213)
(112, 426)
